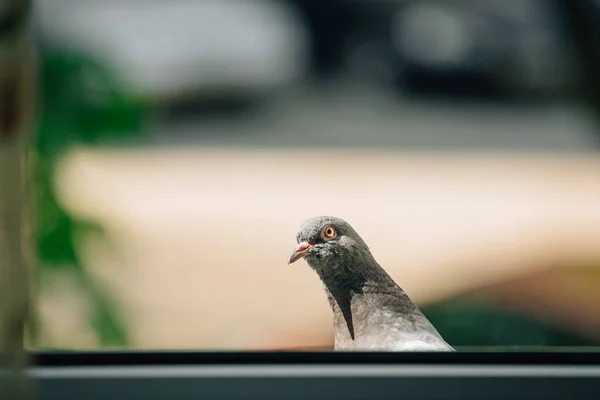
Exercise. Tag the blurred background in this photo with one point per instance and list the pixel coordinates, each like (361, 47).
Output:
(180, 144)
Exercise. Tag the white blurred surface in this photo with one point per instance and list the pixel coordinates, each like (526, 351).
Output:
(165, 47)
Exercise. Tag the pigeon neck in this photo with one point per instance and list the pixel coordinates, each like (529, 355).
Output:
(352, 294)
(357, 279)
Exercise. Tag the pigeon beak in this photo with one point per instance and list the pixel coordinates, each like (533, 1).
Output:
(299, 251)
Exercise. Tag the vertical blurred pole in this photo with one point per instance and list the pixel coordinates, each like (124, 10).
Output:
(16, 103)
(582, 21)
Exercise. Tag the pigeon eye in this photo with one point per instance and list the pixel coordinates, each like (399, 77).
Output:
(329, 232)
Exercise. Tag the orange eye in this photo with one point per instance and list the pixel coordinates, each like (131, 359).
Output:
(329, 232)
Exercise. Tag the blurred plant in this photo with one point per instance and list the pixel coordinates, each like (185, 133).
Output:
(81, 103)
(465, 323)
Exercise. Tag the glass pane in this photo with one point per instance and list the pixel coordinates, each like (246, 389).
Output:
(182, 144)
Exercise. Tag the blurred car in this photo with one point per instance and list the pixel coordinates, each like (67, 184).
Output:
(511, 46)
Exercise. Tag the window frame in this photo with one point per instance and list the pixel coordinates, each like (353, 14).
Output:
(294, 375)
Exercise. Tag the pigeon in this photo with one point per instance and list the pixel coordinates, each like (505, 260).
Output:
(370, 311)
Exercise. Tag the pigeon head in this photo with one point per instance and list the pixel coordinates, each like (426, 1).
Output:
(328, 242)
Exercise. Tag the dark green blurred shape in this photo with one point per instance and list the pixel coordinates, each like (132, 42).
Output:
(81, 104)
(464, 323)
